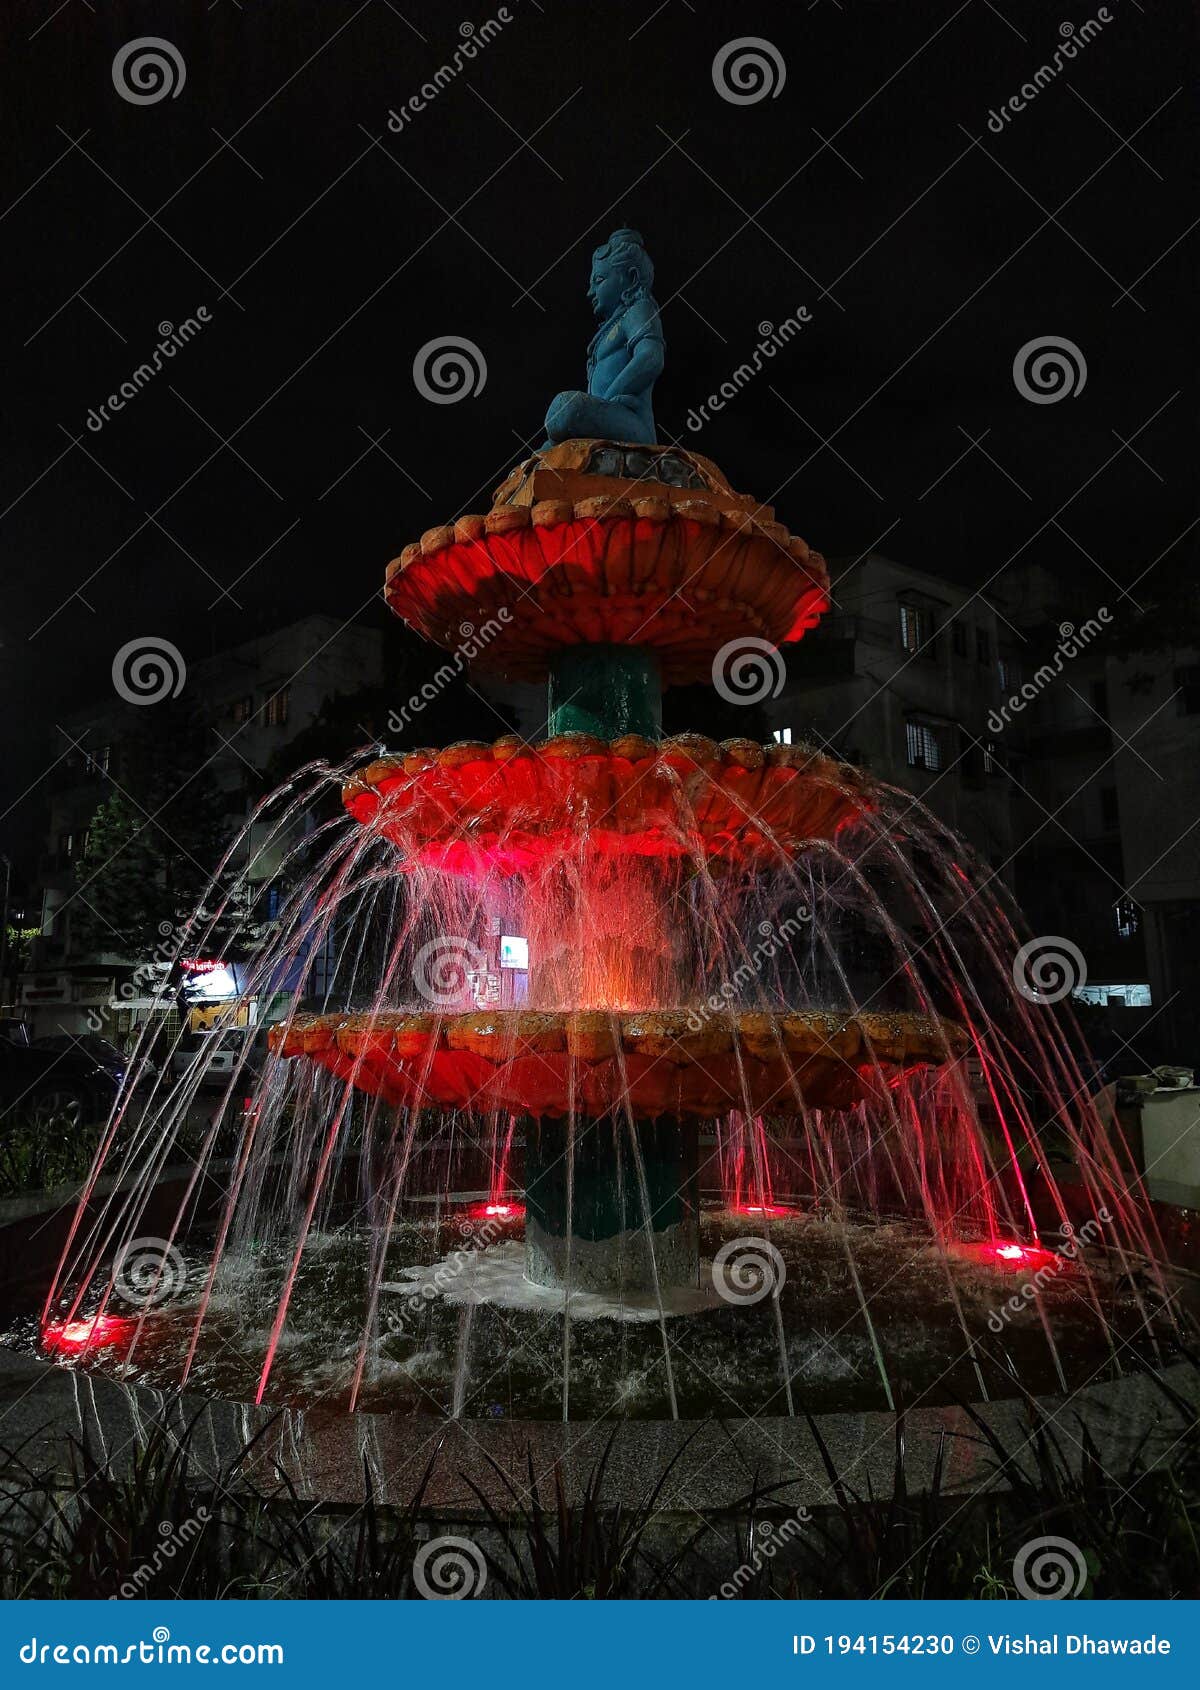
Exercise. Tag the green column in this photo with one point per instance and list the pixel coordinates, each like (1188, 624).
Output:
(605, 690)
(597, 1235)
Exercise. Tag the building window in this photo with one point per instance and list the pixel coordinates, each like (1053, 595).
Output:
(782, 736)
(983, 646)
(277, 708)
(1100, 699)
(1010, 674)
(992, 764)
(1187, 686)
(1129, 917)
(958, 634)
(66, 845)
(924, 746)
(916, 628)
(1134, 996)
(243, 708)
(1110, 809)
(96, 762)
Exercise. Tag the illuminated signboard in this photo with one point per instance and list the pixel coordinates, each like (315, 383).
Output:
(208, 981)
(514, 951)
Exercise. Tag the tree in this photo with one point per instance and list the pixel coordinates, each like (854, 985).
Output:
(153, 844)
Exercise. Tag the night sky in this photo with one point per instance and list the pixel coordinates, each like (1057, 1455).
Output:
(327, 250)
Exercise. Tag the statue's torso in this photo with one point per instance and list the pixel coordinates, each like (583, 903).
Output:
(608, 354)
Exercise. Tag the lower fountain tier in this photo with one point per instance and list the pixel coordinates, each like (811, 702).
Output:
(509, 806)
(646, 1063)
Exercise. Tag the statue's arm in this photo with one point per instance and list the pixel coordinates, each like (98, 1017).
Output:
(647, 352)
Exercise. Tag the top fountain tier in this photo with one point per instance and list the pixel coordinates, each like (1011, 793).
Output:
(604, 543)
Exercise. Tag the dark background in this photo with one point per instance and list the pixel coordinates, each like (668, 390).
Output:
(341, 258)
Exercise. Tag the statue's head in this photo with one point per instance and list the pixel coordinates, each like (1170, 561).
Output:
(621, 273)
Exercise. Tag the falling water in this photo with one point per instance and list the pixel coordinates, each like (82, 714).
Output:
(381, 1138)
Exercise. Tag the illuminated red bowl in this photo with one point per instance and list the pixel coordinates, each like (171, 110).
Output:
(571, 554)
(542, 1063)
(509, 805)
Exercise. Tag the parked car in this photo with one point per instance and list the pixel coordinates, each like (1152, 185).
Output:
(220, 1052)
(61, 1078)
(102, 1051)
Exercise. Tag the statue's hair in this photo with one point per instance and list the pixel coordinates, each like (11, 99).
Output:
(626, 247)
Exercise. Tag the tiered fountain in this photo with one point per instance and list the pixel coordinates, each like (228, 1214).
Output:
(763, 1009)
(611, 567)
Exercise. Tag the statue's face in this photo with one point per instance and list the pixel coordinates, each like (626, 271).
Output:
(607, 285)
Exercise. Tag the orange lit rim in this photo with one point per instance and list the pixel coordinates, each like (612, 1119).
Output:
(653, 1062)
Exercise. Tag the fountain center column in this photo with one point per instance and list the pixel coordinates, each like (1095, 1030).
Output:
(612, 1204)
(605, 690)
(605, 1212)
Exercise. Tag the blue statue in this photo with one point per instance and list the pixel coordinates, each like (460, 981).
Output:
(625, 357)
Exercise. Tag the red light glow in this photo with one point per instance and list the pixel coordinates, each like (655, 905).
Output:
(69, 1337)
(772, 1211)
(498, 1211)
(1009, 1255)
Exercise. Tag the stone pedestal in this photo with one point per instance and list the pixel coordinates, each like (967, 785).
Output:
(606, 690)
(600, 1241)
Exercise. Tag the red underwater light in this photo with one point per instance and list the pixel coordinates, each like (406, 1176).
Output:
(70, 1337)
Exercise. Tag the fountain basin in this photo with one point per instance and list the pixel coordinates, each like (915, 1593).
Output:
(328, 1453)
